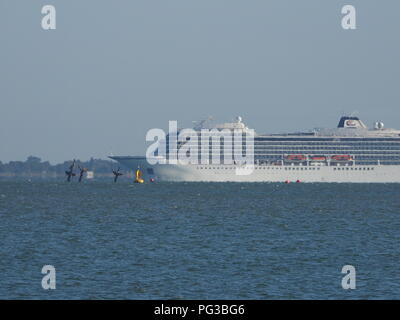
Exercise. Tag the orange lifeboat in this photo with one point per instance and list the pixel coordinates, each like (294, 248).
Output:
(342, 157)
(296, 157)
(317, 158)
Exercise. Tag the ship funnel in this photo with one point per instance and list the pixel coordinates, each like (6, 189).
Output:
(351, 122)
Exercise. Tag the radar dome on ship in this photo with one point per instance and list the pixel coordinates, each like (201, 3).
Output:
(379, 125)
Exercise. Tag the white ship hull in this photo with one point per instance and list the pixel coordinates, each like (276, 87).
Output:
(264, 173)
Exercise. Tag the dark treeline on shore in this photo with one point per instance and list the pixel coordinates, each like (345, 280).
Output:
(34, 166)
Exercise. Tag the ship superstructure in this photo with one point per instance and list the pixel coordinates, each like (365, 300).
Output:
(349, 153)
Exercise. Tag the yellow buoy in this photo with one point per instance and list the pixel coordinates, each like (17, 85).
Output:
(138, 177)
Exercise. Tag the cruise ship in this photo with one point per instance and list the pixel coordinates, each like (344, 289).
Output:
(349, 153)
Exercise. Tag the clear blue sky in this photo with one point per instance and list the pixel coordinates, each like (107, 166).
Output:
(114, 69)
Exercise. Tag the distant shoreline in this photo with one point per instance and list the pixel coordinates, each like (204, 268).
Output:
(34, 167)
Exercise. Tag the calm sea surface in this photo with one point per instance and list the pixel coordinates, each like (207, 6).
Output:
(198, 240)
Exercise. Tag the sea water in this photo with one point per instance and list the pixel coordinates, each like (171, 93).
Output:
(198, 240)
